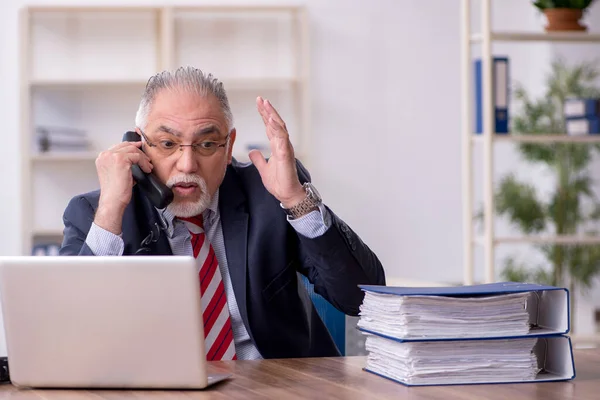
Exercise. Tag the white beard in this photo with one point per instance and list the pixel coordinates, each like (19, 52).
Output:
(186, 208)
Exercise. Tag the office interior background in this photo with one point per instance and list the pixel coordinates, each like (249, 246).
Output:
(371, 91)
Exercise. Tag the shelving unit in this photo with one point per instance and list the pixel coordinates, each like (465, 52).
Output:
(86, 68)
(486, 38)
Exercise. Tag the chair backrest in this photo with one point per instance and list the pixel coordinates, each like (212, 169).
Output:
(334, 319)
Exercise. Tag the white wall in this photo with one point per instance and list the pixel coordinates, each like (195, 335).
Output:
(382, 71)
(386, 122)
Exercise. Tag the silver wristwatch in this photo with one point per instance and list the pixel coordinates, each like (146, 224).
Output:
(312, 200)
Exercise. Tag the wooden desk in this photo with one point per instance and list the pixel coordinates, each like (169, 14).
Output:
(339, 378)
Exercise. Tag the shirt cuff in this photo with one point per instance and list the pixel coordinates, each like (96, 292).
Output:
(313, 224)
(103, 242)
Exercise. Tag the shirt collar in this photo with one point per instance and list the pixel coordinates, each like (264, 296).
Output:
(168, 220)
(214, 203)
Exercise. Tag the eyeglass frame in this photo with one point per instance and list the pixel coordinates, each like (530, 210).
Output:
(192, 145)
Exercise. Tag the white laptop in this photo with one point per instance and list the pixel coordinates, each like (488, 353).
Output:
(104, 322)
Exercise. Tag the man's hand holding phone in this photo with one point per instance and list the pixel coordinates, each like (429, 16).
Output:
(116, 182)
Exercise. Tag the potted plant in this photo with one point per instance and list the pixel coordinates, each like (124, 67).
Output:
(563, 15)
(571, 206)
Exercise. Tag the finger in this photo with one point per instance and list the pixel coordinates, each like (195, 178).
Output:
(277, 129)
(273, 113)
(140, 159)
(258, 160)
(281, 147)
(262, 110)
(263, 113)
(267, 111)
(131, 148)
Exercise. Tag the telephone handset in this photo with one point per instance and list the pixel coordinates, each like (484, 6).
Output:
(157, 192)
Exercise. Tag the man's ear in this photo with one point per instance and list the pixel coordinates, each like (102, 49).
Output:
(230, 143)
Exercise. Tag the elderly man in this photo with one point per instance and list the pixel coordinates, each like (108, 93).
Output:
(250, 226)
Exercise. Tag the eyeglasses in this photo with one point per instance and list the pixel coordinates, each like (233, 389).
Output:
(168, 147)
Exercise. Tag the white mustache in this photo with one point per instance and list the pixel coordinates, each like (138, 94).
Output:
(187, 178)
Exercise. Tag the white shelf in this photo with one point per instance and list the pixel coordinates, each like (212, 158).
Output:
(259, 83)
(230, 83)
(64, 157)
(545, 138)
(560, 239)
(581, 37)
(47, 232)
(67, 83)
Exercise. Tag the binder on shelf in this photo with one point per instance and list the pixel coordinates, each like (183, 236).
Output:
(506, 332)
(500, 93)
(581, 107)
(583, 126)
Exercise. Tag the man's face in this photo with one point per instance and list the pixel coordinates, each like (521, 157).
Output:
(178, 117)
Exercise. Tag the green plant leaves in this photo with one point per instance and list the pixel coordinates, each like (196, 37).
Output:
(519, 201)
(518, 272)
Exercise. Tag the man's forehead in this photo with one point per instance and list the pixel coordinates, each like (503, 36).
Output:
(176, 98)
(187, 108)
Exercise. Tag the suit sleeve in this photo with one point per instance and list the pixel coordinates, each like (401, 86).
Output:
(337, 261)
(77, 218)
(313, 224)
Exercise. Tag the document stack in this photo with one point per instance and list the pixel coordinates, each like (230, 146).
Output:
(492, 333)
(582, 116)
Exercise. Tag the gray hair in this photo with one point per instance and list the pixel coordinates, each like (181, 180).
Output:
(186, 78)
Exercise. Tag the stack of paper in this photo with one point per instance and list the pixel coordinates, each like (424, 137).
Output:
(504, 332)
(445, 362)
(444, 316)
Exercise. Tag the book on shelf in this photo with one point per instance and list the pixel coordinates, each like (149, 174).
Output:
(582, 116)
(500, 94)
(576, 107)
(61, 139)
(582, 126)
(491, 333)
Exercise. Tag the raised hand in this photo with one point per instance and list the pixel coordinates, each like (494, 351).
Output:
(279, 174)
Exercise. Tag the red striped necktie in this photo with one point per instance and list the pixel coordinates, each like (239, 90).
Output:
(218, 333)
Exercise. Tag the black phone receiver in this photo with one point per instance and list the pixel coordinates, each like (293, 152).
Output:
(159, 194)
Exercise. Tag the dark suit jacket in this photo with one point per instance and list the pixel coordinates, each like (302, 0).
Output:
(263, 252)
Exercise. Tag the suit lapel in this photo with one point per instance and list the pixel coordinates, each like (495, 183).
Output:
(234, 223)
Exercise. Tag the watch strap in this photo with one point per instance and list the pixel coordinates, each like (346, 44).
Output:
(308, 204)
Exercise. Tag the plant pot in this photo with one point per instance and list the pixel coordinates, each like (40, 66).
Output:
(564, 19)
